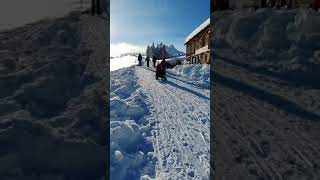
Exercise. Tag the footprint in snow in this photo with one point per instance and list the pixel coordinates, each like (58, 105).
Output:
(178, 169)
(191, 174)
(164, 163)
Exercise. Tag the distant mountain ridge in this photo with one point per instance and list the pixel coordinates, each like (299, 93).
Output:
(162, 51)
(173, 51)
(170, 51)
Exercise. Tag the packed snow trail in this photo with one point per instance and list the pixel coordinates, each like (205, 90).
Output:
(181, 137)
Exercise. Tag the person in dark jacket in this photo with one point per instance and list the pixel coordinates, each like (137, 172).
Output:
(178, 62)
(164, 65)
(154, 60)
(139, 59)
(148, 60)
(161, 70)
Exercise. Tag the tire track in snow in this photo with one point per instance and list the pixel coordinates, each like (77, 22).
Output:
(181, 138)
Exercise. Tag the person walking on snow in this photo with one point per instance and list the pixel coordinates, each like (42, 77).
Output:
(148, 60)
(161, 70)
(139, 59)
(163, 64)
(154, 60)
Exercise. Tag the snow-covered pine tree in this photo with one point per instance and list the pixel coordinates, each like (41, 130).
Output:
(152, 51)
(161, 51)
(148, 51)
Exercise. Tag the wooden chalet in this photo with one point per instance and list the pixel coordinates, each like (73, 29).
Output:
(197, 44)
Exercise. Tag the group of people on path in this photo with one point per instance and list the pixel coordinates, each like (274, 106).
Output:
(154, 60)
(160, 68)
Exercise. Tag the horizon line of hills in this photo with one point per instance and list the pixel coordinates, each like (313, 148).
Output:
(160, 51)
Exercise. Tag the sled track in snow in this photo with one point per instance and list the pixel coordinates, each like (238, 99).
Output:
(181, 136)
(259, 138)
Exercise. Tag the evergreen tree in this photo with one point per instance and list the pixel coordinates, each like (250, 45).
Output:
(152, 51)
(160, 50)
(148, 51)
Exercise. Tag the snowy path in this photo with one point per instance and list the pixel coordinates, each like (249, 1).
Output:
(181, 138)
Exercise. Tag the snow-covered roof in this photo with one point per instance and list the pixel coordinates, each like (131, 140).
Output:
(198, 30)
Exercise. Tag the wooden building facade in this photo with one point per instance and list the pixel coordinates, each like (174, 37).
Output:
(197, 45)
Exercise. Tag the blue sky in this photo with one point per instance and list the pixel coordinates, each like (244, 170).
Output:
(137, 23)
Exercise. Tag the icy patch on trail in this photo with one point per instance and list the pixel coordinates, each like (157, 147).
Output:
(198, 74)
(131, 150)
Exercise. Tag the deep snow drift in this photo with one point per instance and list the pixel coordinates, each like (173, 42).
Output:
(131, 152)
(53, 99)
(266, 94)
(198, 74)
(284, 42)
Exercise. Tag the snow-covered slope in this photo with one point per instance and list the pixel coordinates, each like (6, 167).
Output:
(131, 151)
(159, 129)
(53, 99)
(266, 94)
(198, 74)
(180, 111)
(123, 62)
(284, 41)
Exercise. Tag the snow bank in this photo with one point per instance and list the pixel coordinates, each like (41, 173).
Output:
(284, 41)
(52, 90)
(122, 62)
(130, 145)
(198, 74)
(174, 60)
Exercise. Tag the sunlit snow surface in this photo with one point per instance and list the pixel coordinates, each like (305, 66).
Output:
(122, 62)
(159, 129)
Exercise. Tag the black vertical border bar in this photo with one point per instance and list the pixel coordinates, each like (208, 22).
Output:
(107, 81)
(212, 119)
(211, 98)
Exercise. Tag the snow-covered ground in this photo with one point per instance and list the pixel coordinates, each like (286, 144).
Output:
(197, 74)
(130, 148)
(174, 60)
(173, 116)
(128, 61)
(266, 93)
(52, 102)
(283, 40)
(122, 62)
